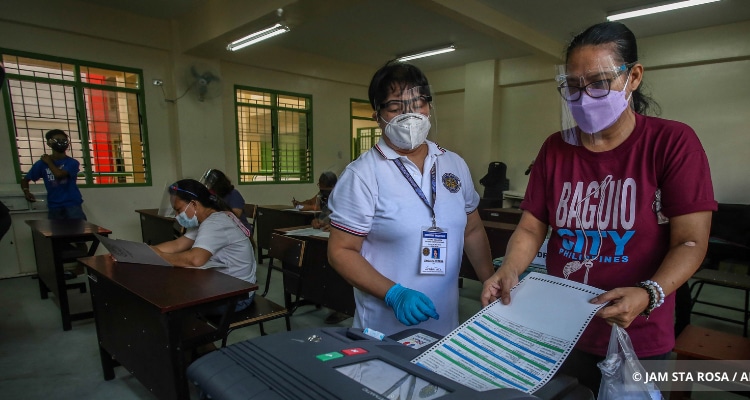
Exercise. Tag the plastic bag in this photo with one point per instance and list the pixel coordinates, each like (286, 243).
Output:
(623, 376)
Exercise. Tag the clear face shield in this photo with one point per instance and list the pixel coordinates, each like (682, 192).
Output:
(593, 97)
(209, 178)
(407, 117)
(165, 206)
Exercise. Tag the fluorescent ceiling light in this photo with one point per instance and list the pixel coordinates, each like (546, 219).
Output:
(428, 53)
(256, 37)
(658, 9)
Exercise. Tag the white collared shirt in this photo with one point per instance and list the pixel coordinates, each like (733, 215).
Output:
(373, 199)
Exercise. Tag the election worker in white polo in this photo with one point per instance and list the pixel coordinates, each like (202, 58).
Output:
(403, 213)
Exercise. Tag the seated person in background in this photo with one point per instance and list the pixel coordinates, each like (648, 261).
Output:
(214, 236)
(59, 173)
(319, 202)
(218, 183)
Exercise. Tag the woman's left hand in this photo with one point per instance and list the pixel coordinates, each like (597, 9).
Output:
(625, 304)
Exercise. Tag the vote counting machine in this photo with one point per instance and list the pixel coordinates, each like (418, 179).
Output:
(342, 363)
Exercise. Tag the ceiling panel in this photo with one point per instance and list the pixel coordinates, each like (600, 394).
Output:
(369, 33)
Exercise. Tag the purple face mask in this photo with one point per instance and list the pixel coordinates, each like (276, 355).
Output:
(595, 115)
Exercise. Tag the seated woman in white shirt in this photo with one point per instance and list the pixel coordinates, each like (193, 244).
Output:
(215, 238)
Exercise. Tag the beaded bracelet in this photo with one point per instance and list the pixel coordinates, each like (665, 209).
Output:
(651, 298)
(659, 289)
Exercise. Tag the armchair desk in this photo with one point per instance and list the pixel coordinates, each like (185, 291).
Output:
(321, 284)
(271, 217)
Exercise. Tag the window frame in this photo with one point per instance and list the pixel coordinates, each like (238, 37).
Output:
(86, 175)
(274, 109)
(353, 150)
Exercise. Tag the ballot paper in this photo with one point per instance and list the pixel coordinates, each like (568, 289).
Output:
(520, 345)
(131, 252)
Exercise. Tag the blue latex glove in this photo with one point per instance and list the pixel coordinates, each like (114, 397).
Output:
(410, 306)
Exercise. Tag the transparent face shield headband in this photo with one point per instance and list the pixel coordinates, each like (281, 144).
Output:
(585, 106)
(209, 178)
(400, 109)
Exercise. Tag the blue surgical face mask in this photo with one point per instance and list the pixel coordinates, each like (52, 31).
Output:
(186, 222)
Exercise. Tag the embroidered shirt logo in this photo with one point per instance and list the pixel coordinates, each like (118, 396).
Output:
(451, 182)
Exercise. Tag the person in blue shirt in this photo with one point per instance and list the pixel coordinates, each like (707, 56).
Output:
(59, 173)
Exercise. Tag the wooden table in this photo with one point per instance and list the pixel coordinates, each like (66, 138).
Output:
(498, 234)
(156, 228)
(52, 240)
(321, 284)
(146, 316)
(506, 215)
(271, 217)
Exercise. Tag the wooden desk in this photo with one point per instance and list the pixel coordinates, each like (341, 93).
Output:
(157, 229)
(498, 234)
(506, 215)
(321, 284)
(53, 238)
(270, 217)
(146, 317)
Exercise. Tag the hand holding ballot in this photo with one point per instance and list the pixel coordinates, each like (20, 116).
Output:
(624, 305)
(498, 286)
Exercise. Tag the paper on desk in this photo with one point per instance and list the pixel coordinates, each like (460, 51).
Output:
(302, 211)
(520, 345)
(131, 252)
(308, 232)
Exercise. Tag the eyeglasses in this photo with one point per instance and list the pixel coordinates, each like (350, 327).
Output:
(175, 188)
(595, 90)
(416, 104)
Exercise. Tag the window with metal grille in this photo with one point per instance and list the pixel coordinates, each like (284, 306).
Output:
(100, 107)
(274, 136)
(365, 130)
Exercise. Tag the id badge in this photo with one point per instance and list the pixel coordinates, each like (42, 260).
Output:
(434, 251)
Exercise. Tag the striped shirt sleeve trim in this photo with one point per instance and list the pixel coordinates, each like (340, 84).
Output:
(348, 230)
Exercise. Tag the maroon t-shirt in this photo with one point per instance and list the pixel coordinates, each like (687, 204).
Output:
(629, 242)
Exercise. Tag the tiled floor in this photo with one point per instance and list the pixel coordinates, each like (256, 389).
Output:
(40, 361)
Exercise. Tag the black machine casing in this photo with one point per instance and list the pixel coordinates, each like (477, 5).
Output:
(285, 366)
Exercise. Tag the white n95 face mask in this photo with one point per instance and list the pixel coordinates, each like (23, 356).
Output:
(408, 131)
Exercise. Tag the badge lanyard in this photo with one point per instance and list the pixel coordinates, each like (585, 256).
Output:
(434, 244)
(418, 190)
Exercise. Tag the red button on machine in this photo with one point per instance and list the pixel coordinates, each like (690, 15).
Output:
(354, 351)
